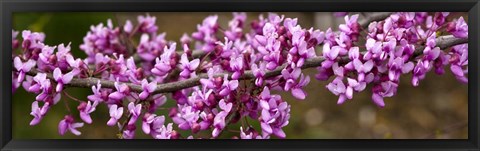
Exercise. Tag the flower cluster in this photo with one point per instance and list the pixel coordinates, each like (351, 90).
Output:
(391, 50)
(231, 74)
(102, 39)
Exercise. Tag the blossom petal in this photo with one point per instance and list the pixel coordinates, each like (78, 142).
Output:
(298, 93)
(57, 74)
(378, 100)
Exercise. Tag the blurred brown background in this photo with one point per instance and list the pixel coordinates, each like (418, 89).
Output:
(435, 109)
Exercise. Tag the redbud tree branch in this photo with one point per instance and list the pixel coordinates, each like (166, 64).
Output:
(372, 17)
(442, 42)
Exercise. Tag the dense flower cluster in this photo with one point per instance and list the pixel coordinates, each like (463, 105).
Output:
(236, 73)
(390, 52)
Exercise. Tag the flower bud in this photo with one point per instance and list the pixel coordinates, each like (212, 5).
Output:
(173, 112)
(450, 26)
(131, 127)
(139, 73)
(175, 135)
(218, 81)
(82, 106)
(52, 59)
(195, 128)
(68, 118)
(281, 30)
(210, 117)
(199, 104)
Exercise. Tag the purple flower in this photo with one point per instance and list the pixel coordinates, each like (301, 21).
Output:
(378, 50)
(45, 61)
(75, 64)
(355, 85)
(148, 88)
(22, 68)
(185, 40)
(40, 83)
(98, 96)
(147, 24)
(235, 26)
(129, 132)
(38, 113)
(47, 92)
(211, 82)
(300, 50)
(259, 72)
(32, 41)
(207, 27)
(351, 25)
(115, 114)
(458, 28)
(206, 33)
(290, 23)
(384, 89)
(152, 122)
(275, 19)
(270, 47)
(459, 61)
(156, 124)
(102, 39)
(128, 27)
(292, 84)
(338, 88)
(419, 72)
(275, 114)
(297, 90)
(134, 73)
(323, 73)
(374, 48)
(67, 124)
(63, 57)
(362, 68)
(165, 132)
(397, 67)
(219, 120)
(330, 54)
(188, 67)
(151, 46)
(236, 64)
(135, 111)
(122, 91)
(205, 96)
(85, 110)
(187, 117)
(63, 78)
(252, 135)
(15, 84)
(440, 18)
(164, 64)
(158, 100)
(227, 107)
(228, 86)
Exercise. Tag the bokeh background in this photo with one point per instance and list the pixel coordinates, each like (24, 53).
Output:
(437, 109)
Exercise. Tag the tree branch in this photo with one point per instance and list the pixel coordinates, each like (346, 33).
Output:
(442, 42)
(374, 17)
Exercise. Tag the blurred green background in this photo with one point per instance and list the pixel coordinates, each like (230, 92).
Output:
(435, 109)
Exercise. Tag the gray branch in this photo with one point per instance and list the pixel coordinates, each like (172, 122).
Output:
(373, 17)
(442, 42)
